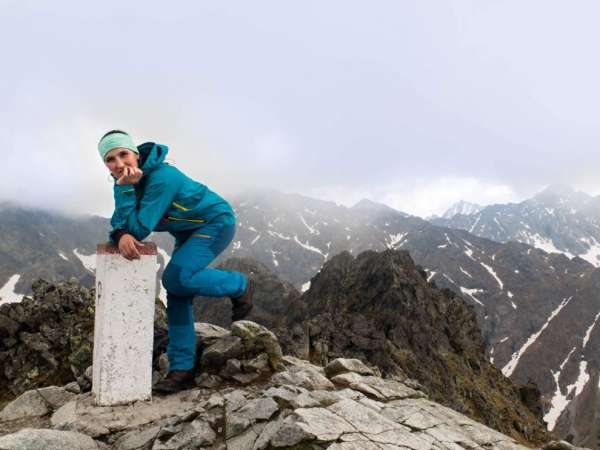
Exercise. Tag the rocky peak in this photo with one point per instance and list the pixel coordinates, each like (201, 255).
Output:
(379, 308)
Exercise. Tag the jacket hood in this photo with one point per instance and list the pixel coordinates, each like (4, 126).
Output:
(151, 155)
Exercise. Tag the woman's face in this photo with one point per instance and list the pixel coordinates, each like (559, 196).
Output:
(118, 158)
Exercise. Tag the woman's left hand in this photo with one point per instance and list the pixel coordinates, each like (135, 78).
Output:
(131, 175)
(130, 247)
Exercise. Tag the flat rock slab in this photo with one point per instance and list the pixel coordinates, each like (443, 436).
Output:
(311, 423)
(305, 377)
(207, 331)
(81, 414)
(32, 439)
(196, 434)
(343, 365)
(137, 439)
(390, 440)
(363, 419)
(253, 411)
(379, 388)
(222, 350)
(246, 440)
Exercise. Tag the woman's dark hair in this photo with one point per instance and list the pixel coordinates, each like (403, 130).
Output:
(113, 132)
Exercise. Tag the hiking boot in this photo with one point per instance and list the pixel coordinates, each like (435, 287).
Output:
(243, 304)
(175, 381)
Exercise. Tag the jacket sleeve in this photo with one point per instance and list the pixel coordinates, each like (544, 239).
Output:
(140, 220)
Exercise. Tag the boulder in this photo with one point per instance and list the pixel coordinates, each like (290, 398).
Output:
(36, 402)
(82, 415)
(258, 339)
(32, 439)
(342, 365)
(222, 350)
(255, 410)
(196, 434)
(376, 387)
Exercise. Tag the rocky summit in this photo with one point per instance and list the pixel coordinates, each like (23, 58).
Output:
(250, 396)
(386, 349)
(380, 308)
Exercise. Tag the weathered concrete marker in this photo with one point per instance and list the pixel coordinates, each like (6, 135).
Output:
(124, 326)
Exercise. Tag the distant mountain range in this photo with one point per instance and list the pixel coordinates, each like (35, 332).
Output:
(537, 311)
(557, 219)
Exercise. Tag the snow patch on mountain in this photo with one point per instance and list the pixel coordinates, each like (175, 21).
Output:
(307, 246)
(509, 368)
(394, 239)
(493, 273)
(559, 400)
(582, 379)
(465, 272)
(311, 229)
(164, 254)
(274, 254)
(88, 261)
(469, 254)
(589, 331)
(471, 293)
(546, 244)
(562, 400)
(7, 292)
(593, 254)
(279, 235)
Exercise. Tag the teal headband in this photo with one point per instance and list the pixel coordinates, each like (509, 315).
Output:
(116, 140)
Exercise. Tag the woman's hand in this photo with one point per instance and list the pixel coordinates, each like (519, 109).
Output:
(131, 175)
(128, 247)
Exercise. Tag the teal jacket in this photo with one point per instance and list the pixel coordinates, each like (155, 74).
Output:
(165, 199)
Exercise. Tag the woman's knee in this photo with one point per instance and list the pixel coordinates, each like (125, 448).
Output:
(172, 280)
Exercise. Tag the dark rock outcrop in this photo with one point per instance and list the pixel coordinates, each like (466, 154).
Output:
(48, 339)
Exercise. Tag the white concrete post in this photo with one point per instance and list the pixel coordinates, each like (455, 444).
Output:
(123, 326)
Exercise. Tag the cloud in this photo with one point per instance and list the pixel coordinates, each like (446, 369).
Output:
(429, 105)
(427, 197)
(422, 197)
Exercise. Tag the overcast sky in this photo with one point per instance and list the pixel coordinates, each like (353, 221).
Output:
(416, 104)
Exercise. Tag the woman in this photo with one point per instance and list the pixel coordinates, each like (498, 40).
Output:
(151, 195)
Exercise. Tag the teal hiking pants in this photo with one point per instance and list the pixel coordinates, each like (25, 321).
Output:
(187, 276)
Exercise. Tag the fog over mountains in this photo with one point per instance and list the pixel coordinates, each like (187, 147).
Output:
(537, 310)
